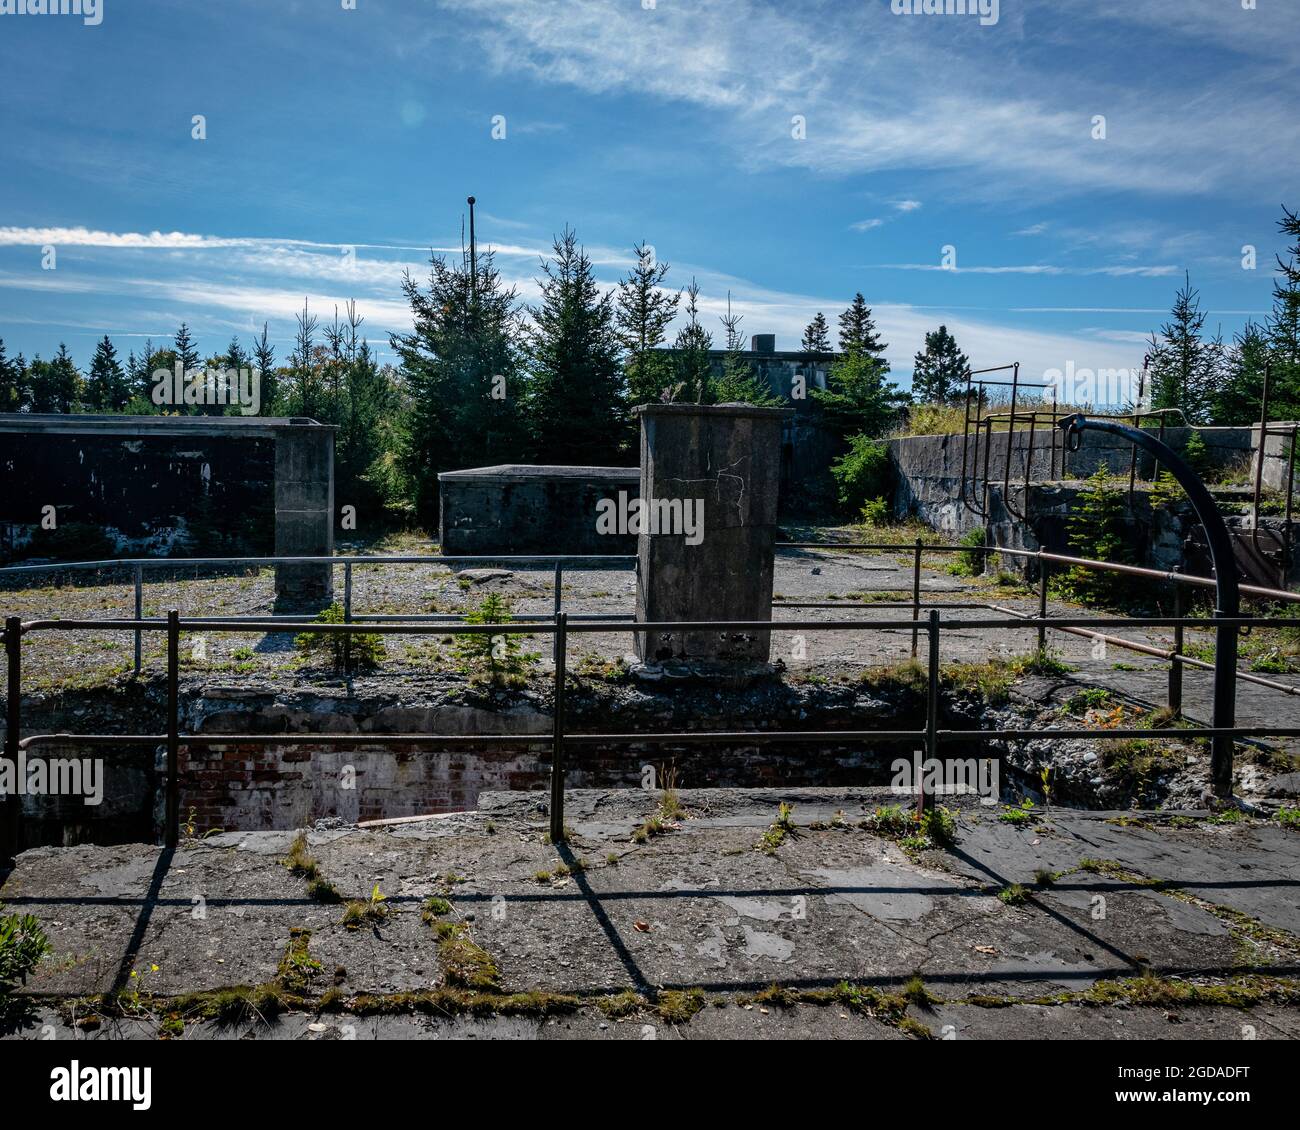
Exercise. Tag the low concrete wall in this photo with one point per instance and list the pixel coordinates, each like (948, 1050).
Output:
(520, 508)
(929, 479)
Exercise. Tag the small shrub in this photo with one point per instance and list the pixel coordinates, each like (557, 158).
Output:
(875, 512)
(499, 658)
(22, 945)
(969, 560)
(862, 473)
(363, 653)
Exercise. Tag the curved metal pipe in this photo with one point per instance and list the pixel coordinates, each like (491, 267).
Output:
(1227, 590)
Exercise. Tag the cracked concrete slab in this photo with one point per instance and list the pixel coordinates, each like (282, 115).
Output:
(698, 907)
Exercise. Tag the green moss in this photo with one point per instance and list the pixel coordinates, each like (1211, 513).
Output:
(677, 1006)
(465, 964)
(622, 1004)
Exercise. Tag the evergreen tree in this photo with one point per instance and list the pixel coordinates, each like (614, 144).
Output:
(858, 399)
(139, 372)
(1183, 365)
(643, 313)
(307, 394)
(13, 394)
(575, 395)
(462, 366)
(817, 337)
(56, 384)
(940, 369)
(264, 362)
(183, 345)
(692, 346)
(107, 385)
(1283, 325)
(1238, 400)
(858, 331)
(738, 383)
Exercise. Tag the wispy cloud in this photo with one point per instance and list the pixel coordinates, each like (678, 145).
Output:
(1030, 136)
(1159, 271)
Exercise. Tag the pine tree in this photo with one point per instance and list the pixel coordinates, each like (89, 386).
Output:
(1283, 325)
(643, 314)
(1238, 401)
(187, 352)
(107, 386)
(692, 346)
(463, 367)
(738, 383)
(264, 362)
(307, 391)
(56, 384)
(12, 393)
(1097, 530)
(858, 399)
(1183, 365)
(817, 337)
(858, 331)
(575, 395)
(940, 369)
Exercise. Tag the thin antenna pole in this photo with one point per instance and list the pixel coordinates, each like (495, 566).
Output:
(473, 255)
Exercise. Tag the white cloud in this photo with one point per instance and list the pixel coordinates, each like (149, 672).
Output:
(866, 225)
(852, 72)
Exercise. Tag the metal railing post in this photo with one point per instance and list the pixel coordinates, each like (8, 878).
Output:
(11, 810)
(1042, 603)
(347, 615)
(173, 812)
(1175, 665)
(139, 614)
(916, 593)
(931, 714)
(557, 736)
(559, 586)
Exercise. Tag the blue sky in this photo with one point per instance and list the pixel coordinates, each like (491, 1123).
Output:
(329, 128)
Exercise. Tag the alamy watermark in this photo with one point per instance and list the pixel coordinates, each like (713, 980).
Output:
(1084, 386)
(987, 10)
(949, 776)
(53, 776)
(242, 387)
(651, 516)
(90, 11)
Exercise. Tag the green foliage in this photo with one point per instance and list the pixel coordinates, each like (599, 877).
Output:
(691, 347)
(875, 513)
(363, 653)
(1185, 367)
(643, 313)
(858, 333)
(497, 658)
(862, 473)
(1098, 530)
(969, 561)
(22, 945)
(816, 336)
(574, 399)
(467, 334)
(858, 400)
(939, 371)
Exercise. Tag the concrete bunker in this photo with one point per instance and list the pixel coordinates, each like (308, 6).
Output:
(183, 486)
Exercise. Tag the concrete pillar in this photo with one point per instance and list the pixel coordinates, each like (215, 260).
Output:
(725, 458)
(304, 515)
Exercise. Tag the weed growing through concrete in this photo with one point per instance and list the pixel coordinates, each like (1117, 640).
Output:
(359, 912)
(781, 828)
(363, 653)
(300, 862)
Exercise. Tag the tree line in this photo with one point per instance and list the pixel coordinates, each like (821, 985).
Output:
(482, 378)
